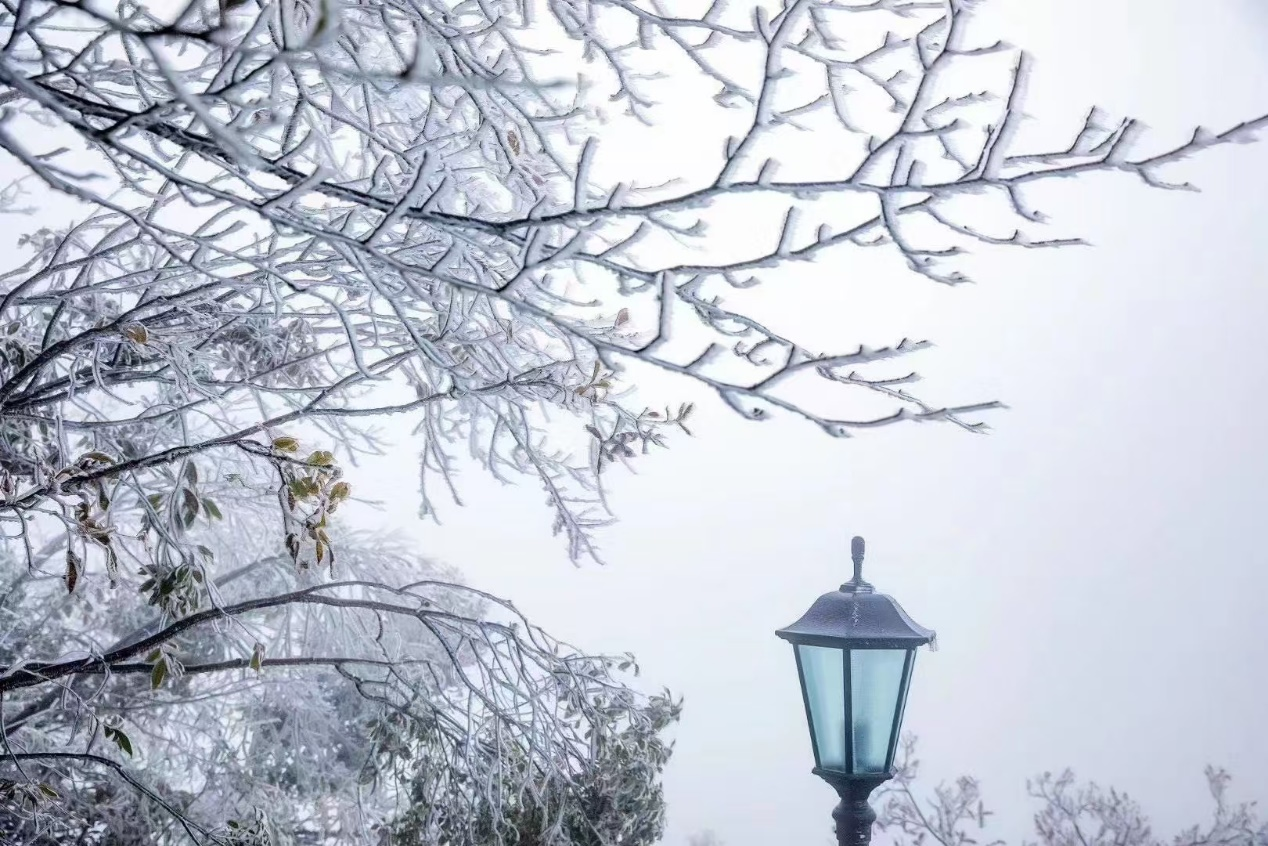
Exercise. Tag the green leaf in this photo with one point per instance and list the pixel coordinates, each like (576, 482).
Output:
(257, 657)
(321, 458)
(120, 739)
(191, 473)
(285, 444)
(158, 674)
(47, 791)
(212, 510)
(340, 491)
(191, 501)
(302, 488)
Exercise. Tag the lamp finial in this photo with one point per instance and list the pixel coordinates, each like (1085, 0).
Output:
(857, 585)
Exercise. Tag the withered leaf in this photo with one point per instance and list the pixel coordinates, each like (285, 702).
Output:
(73, 568)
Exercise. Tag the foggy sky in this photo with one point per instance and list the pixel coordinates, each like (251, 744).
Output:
(1093, 566)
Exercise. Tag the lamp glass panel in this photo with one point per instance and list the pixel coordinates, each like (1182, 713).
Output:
(876, 687)
(823, 672)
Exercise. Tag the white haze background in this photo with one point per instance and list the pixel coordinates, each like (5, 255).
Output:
(1094, 566)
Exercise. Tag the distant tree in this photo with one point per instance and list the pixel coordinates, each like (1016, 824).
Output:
(1070, 813)
(299, 217)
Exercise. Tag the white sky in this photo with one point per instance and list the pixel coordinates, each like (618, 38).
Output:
(1092, 566)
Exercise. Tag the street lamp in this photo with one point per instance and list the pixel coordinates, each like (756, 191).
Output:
(855, 649)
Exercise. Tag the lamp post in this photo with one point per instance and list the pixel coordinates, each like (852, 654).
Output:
(855, 649)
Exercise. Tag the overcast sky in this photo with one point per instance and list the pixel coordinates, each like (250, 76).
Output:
(1094, 567)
